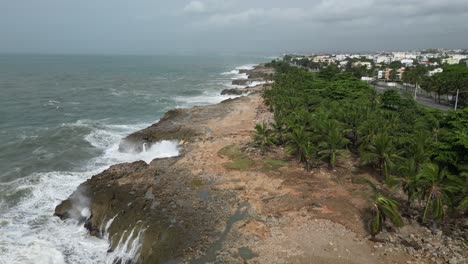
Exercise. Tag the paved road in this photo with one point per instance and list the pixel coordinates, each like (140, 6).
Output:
(421, 100)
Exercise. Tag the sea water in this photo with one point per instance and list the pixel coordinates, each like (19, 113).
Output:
(61, 120)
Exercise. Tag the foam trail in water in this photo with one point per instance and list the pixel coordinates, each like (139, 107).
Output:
(105, 230)
(128, 247)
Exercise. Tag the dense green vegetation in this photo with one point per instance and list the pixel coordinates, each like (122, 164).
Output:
(319, 117)
(453, 78)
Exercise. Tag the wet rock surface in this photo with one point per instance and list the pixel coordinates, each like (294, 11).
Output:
(157, 201)
(234, 91)
(179, 124)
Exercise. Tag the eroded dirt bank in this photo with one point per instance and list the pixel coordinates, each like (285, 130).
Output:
(223, 202)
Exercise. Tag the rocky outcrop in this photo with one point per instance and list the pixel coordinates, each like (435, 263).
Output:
(178, 124)
(234, 91)
(170, 212)
(260, 72)
(246, 81)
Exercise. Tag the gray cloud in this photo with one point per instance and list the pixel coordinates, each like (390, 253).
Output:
(202, 26)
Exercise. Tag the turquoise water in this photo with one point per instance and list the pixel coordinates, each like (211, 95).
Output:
(61, 119)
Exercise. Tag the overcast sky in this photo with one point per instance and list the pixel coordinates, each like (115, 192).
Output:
(230, 26)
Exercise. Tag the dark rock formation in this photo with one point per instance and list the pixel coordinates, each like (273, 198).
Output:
(234, 91)
(178, 124)
(259, 72)
(174, 215)
(246, 81)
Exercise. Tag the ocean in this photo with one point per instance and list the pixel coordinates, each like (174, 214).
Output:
(61, 120)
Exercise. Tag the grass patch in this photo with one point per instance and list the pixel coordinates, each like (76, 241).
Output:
(240, 161)
(233, 152)
(240, 164)
(273, 165)
(197, 182)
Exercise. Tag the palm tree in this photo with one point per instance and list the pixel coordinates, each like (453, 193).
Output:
(407, 171)
(434, 188)
(381, 152)
(263, 137)
(382, 208)
(279, 128)
(420, 149)
(332, 143)
(300, 145)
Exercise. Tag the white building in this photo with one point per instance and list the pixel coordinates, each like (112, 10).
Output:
(343, 64)
(367, 64)
(398, 56)
(382, 59)
(438, 70)
(380, 74)
(407, 62)
(340, 57)
(459, 56)
(451, 61)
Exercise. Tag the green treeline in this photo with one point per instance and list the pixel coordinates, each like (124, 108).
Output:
(326, 116)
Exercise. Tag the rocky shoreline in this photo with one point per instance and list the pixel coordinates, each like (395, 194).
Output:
(204, 207)
(175, 215)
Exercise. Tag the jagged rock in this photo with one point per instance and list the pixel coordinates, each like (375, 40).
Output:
(233, 91)
(178, 124)
(127, 193)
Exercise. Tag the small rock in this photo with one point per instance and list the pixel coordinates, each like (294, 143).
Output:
(453, 261)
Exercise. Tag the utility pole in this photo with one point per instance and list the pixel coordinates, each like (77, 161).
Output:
(415, 89)
(456, 99)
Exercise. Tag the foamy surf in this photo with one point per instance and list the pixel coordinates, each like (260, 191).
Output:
(30, 234)
(28, 231)
(205, 99)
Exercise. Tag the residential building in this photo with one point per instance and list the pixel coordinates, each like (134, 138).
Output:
(343, 64)
(438, 70)
(382, 59)
(407, 62)
(380, 74)
(367, 64)
(398, 56)
(400, 73)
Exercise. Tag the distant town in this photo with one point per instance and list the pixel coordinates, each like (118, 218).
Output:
(423, 70)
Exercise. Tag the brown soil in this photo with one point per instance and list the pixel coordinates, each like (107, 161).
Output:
(295, 216)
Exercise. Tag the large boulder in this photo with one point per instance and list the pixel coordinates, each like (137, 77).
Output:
(178, 124)
(234, 91)
(154, 207)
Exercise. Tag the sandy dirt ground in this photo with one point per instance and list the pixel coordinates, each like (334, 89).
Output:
(294, 216)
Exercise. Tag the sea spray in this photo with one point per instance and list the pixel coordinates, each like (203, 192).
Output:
(128, 247)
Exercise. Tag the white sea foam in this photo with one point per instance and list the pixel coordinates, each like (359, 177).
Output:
(255, 83)
(246, 67)
(29, 232)
(205, 99)
(128, 247)
(235, 74)
(231, 72)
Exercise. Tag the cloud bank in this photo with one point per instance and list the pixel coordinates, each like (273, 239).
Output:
(207, 26)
